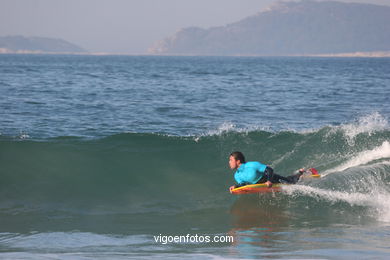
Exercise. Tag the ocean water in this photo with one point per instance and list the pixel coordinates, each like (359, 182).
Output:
(101, 155)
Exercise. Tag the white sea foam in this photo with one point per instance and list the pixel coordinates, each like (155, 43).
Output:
(24, 136)
(379, 201)
(362, 158)
(227, 127)
(223, 128)
(368, 124)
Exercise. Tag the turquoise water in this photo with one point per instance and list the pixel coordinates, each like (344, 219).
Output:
(100, 154)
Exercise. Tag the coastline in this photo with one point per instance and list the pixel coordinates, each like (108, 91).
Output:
(360, 54)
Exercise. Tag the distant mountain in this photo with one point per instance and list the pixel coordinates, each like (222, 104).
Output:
(290, 28)
(21, 44)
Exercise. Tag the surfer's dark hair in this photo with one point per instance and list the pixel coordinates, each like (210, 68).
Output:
(238, 156)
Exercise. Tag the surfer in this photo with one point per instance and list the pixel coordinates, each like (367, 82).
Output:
(256, 172)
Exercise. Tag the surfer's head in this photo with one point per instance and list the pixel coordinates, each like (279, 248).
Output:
(236, 159)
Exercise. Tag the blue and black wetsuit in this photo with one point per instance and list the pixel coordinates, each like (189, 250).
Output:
(255, 172)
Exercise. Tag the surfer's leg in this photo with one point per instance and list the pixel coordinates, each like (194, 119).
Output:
(294, 178)
(276, 178)
(280, 179)
(273, 177)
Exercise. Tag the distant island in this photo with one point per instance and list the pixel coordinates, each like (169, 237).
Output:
(307, 28)
(21, 44)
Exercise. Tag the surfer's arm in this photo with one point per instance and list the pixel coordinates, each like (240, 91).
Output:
(237, 186)
(234, 186)
(238, 180)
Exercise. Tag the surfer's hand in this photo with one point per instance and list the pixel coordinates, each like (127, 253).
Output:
(269, 184)
(302, 170)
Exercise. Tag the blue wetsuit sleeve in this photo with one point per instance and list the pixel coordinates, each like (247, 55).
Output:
(262, 169)
(237, 178)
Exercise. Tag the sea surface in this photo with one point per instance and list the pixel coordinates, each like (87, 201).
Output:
(101, 155)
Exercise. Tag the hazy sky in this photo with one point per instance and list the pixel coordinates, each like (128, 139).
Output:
(122, 26)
